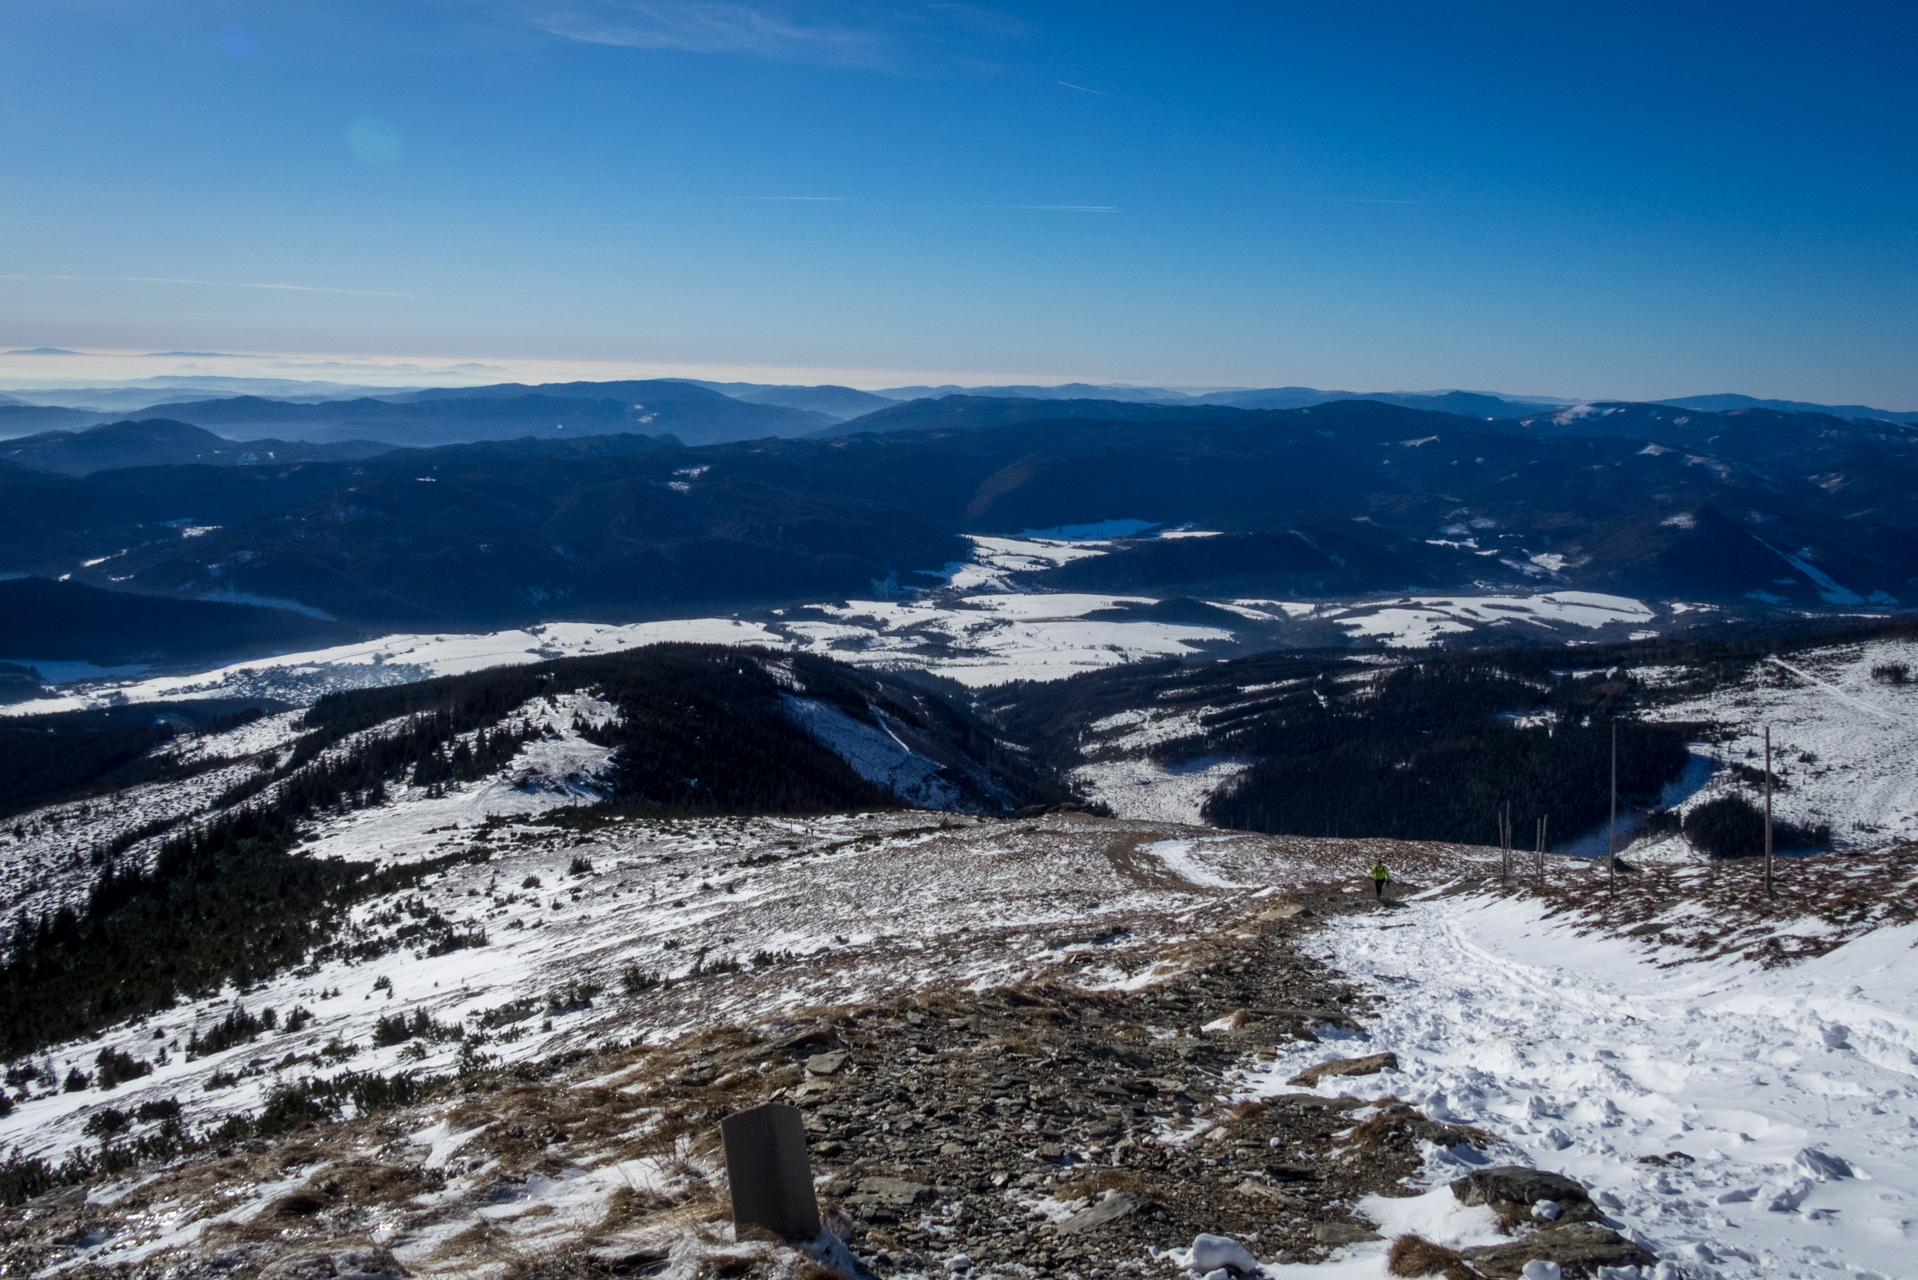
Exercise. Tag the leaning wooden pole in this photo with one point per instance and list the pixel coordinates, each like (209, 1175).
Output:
(1612, 839)
(1505, 845)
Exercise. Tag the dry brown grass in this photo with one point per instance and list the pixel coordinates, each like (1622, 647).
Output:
(1721, 909)
(1414, 1255)
(1398, 1126)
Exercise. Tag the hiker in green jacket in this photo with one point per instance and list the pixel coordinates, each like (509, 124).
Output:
(1379, 876)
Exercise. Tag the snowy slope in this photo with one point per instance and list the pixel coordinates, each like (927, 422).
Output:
(812, 911)
(1845, 745)
(1592, 1058)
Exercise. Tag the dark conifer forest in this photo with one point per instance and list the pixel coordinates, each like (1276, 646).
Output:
(229, 897)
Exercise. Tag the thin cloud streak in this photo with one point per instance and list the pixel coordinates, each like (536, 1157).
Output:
(898, 37)
(1034, 208)
(710, 26)
(1082, 89)
(216, 284)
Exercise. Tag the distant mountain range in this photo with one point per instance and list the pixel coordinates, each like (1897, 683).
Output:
(1720, 403)
(692, 411)
(1755, 507)
(689, 413)
(159, 443)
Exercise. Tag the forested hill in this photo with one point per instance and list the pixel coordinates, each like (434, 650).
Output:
(1436, 746)
(205, 880)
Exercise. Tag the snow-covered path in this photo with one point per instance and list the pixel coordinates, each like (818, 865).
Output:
(1589, 1057)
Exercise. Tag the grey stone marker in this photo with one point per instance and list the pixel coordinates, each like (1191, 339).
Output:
(770, 1174)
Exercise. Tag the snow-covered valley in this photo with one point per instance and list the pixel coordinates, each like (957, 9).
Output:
(979, 625)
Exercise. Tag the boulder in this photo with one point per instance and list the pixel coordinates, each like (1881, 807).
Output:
(1120, 1204)
(1514, 1192)
(824, 1064)
(1210, 1252)
(1366, 1066)
(894, 1192)
(1578, 1250)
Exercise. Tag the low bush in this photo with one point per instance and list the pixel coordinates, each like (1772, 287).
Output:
(237, 1028)
(106, 1122)
(116, 1067)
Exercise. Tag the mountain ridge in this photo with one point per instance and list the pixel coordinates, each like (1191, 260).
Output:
(1748, 507)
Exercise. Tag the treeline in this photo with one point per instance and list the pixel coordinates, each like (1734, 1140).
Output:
(700, 730)
(228, 899)
(1430, 748)
(703, 730)
(1423, 753)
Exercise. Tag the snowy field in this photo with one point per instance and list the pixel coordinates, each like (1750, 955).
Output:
(1415, 622)
(1744, 1122)
(980, 624)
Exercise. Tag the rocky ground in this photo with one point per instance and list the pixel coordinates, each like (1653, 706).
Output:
(1040, 1127)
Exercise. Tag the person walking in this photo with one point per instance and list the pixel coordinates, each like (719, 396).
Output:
(1379, 876)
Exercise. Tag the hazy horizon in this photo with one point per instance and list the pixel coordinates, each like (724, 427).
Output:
(79, 369)
(1641, 203)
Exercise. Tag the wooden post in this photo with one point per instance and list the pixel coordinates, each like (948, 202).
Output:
(769, 1172)
(1612, 839)
(1770, 891)
(1505, 845)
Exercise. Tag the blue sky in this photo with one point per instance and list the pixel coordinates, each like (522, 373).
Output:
(1587, 200)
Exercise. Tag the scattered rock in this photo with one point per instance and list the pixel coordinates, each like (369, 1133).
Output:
(624, 1260)
(1579, 1249)
(1342, 1233)
(824, 1064)
(1668, 1159)
(1120, 1204)
(60, 1198)
(1366, 1066)
(337, 1264)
